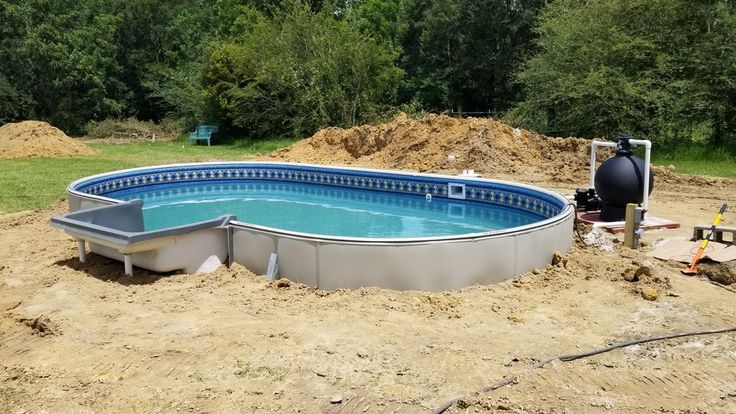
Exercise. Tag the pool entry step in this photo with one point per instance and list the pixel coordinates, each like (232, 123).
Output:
(119, 229)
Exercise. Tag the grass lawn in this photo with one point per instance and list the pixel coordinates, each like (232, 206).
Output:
(31, 183)
(698, 160)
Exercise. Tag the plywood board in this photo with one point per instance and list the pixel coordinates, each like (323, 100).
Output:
(683, 250)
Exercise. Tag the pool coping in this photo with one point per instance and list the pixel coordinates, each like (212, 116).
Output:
(565, 212)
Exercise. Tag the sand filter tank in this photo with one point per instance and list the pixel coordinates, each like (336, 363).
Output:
(620, 181)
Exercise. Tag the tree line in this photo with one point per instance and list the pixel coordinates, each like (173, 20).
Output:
(661, 69)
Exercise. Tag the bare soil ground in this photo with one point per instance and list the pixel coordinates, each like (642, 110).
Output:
(83, 338)
(30, 139)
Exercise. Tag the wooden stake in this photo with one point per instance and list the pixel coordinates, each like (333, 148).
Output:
(630, 229)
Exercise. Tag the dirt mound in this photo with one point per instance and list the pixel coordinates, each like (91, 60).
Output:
(41, 325)
(724, 273)
(439, 143)
(38, 139)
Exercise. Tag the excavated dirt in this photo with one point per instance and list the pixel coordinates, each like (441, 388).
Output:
(439, 143)
(724, 273)
(88, 339)
(30, 139)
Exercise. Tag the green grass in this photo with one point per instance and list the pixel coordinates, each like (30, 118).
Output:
(33, 183)
(698, 160)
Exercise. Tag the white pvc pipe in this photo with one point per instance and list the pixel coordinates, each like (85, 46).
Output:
(647, 158)
(595, 145)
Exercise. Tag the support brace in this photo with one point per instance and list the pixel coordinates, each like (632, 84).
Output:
(82, 251)
(273, 267)
(128, 259)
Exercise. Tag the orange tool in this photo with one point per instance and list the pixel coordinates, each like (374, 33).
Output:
(692, 270)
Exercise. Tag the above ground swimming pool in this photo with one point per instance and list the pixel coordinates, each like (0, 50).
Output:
(338, 227)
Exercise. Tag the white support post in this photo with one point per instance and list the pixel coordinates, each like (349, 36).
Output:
(128, 260)
(596, 144)
(647, 159)
(591, 180)
(273, 266)
(82, 251)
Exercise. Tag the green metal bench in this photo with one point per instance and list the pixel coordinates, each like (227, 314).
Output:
(202, 132)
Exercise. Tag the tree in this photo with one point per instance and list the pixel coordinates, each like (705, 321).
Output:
(70, 51)
(164, 47)
(15, 95)
(664, 69)
(461, 54)
(298, 70)
(59, 62)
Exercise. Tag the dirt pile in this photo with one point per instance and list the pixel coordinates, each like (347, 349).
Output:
(38, 139)
(41, 325)
(724, 273)
(439, 143)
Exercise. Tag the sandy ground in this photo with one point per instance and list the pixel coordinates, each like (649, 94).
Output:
(83, 338)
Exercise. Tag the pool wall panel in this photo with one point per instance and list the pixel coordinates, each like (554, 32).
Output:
(430, 266)
(298, 260)
(534, 249)
(253, 249)
(84, 203)
(433, 266)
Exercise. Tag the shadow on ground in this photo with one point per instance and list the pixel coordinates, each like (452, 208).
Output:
(109, 270)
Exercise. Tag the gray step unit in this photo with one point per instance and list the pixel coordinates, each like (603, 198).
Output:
(120, 228)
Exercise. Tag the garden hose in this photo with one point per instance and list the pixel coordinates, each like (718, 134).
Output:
(572, 357)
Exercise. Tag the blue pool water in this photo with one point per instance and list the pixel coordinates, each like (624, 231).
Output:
(321, 209)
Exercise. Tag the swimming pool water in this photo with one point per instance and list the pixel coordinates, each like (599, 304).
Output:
(321, 209)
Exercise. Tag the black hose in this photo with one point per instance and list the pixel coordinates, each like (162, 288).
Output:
(577, 231)
(571, 357)
(575, 223)
(720, 285)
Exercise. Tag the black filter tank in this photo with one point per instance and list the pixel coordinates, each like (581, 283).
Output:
(620, 181)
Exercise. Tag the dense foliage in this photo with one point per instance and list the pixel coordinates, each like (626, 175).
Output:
(663, 69)
(299, 70)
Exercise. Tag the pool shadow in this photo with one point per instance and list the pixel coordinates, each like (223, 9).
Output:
(109, 270)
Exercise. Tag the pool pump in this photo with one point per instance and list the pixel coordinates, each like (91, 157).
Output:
(619, 180)
(586, 199)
